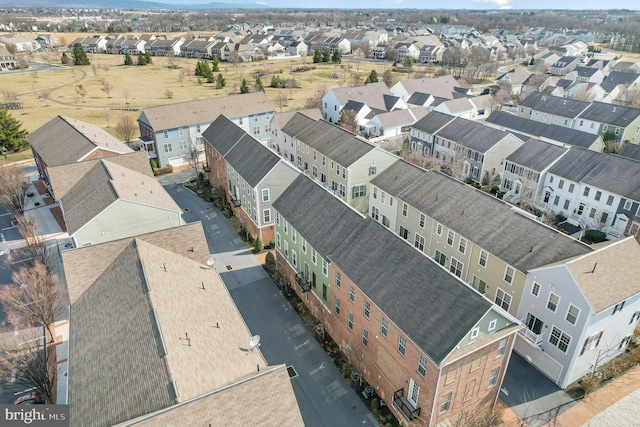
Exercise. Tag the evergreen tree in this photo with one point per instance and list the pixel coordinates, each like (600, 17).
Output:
(141, 59)
(79, 55)
(220, 82)
(127, 59)
(326, 55)
(259, 84)
(336, 58)
(317, 56)
(147, 57)
(373, 77)
(12, 136)
(216, 65)
(198, 71)
(243, 87)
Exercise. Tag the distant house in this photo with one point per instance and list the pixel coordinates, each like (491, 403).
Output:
(164, 47)
(601, 118)
(564, 65)
(63, 140)
(170, 133)
(551, 109)
(197, 48)
(514, 79)
(7, 59)
(46, 40)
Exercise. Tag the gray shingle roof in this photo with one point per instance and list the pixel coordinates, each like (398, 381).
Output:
(555, 105)
(340, 145)
(296, 124)
(472, 134)
(61, 141)
(616, 78)
(536, 155)
(418, 98)
(433, 122)
(223, 134)
(630, 151)
(479, 217)
(611, 114)
(538, 129)
(138, 381)
(353, 105)
(616, 174)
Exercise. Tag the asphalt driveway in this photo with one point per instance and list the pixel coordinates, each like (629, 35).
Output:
(324, 397)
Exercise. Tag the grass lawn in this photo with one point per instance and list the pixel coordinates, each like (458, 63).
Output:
(17, 157)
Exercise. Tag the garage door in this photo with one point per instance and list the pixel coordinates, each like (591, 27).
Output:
(178, 161)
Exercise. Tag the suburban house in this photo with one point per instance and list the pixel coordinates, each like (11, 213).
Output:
(487, 243)
(550, 109)
(617, 83)
(279, 141)
(581, 313)
(601, 117)
(198, 48)
(445, 87)
(564, 65)
(164, 47)
(63, 140)
(252, 174)
(166, 356)
(513, 79)
(172, 134)
(553, 134)
(337, 159)
(596, 190)
(112, 198)
(7, 59)
(375, 96)
(433, 348)
(467, 108)
(586, 75)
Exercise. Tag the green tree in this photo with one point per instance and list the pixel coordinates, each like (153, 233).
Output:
(326, 55)
(216, 64)
(243, 87)
(373, 77)
(259, 84)
(127, 59)
(12, 135)
(147, 57)
(336, 58)
(220, 82)
(258, 246)
(317, 56)
(408, 61)
(79, 55)
(142, 60)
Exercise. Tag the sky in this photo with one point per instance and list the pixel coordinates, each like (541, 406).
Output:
(431, 4)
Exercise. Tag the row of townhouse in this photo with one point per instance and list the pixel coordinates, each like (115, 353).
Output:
(593, 117)
(591, 189)
(434, 350)
(172, 134)
(511, 258)
(130, 258)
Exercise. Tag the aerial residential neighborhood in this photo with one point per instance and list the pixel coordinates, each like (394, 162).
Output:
(250, 216)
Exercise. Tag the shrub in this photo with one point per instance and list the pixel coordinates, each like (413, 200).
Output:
(494, 189)
(162, 171)
(272, 243)
(257, 244)
(153, 163)
(594, 236)
(560, 218)
(375, 404)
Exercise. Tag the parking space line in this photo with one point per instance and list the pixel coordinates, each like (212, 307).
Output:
(8, 228)
(5, 214)
(22, 260)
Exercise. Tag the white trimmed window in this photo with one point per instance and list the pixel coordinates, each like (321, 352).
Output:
(503, 299)
(456, 267)
(450, 237)
(552, 303)
(439, 229)
(422, 220)
(483, 258)
(535, 289)
(367, 309)
(384, 327)
(422, 366)
(508, 274)
(325, 268)
(402, 345)
(462, 247)
(559, 339)
(266, 216)
(265, 195)
(572, 314)
(592, 341)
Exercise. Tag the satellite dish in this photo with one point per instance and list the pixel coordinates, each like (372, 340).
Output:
(255, 342)
(211, 260)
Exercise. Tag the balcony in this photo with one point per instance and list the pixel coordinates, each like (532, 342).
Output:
(401, 403)
(235, 201)
(532, 337)
(303, 284)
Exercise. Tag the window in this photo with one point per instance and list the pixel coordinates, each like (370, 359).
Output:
(375, 192)
(473, 336)
(386, 221)
(535, 289)
(304, 245)
(561, 184)
(503, 299)
(405, 210)
(450, 237)
(265, 195)
(352, 294)
(359, 190)
(338, 279)
(402, 345)
(451, 376)
(572, 314)
(422, 220)
(256, 130)
(325, 268)
(440, 258)
(277, 218)
(493, 378)
(556, 200)
(635, 317)
(502, 347)
(456, 267)
(422, 366)
(365, 337)
(591, 342)
(508, 274)
(343, 190)
(294, 258)
(559, 339)
(337, 307)
(168, 148)
(439, 229)
(404, 233)
(483, 258)
(627, 205)
(384, 326)
(624, 342)
(367, 309)
(462, 247)
(586, 192)
(492, 325)
(598, 195)
(372, 170)
(285, 227)
(479, 285)
(266, 215)
(618, 307)
(350, 321)
(278, 240)
(552, 303)
(469, 390)
(294, 235)
(338, 170)
(566, 204)
(534, 324)
(183, 144)
(314, 257)
(446, 401)
(610, 200)
(286, 249)
(571, 187)
(419, 242)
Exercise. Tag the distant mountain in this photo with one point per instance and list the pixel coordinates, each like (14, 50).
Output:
(129, 4)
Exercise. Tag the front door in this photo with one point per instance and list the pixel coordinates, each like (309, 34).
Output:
(414, 389)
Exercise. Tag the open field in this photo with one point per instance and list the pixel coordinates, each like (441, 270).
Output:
(45, 94)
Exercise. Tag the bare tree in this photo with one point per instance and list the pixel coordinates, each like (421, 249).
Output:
(417, 158)
(315, 100)
(182, 75)
(105, 68)
(168, 93)
(388, 78)
(348, 120)
(583, 94)
(24, 360)
(107, 87)
(631, 95)
(80, 90)
(281, 101)
(13, 187)
(453, 165)
(37, 245)
(193, 155)
(126, 128)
